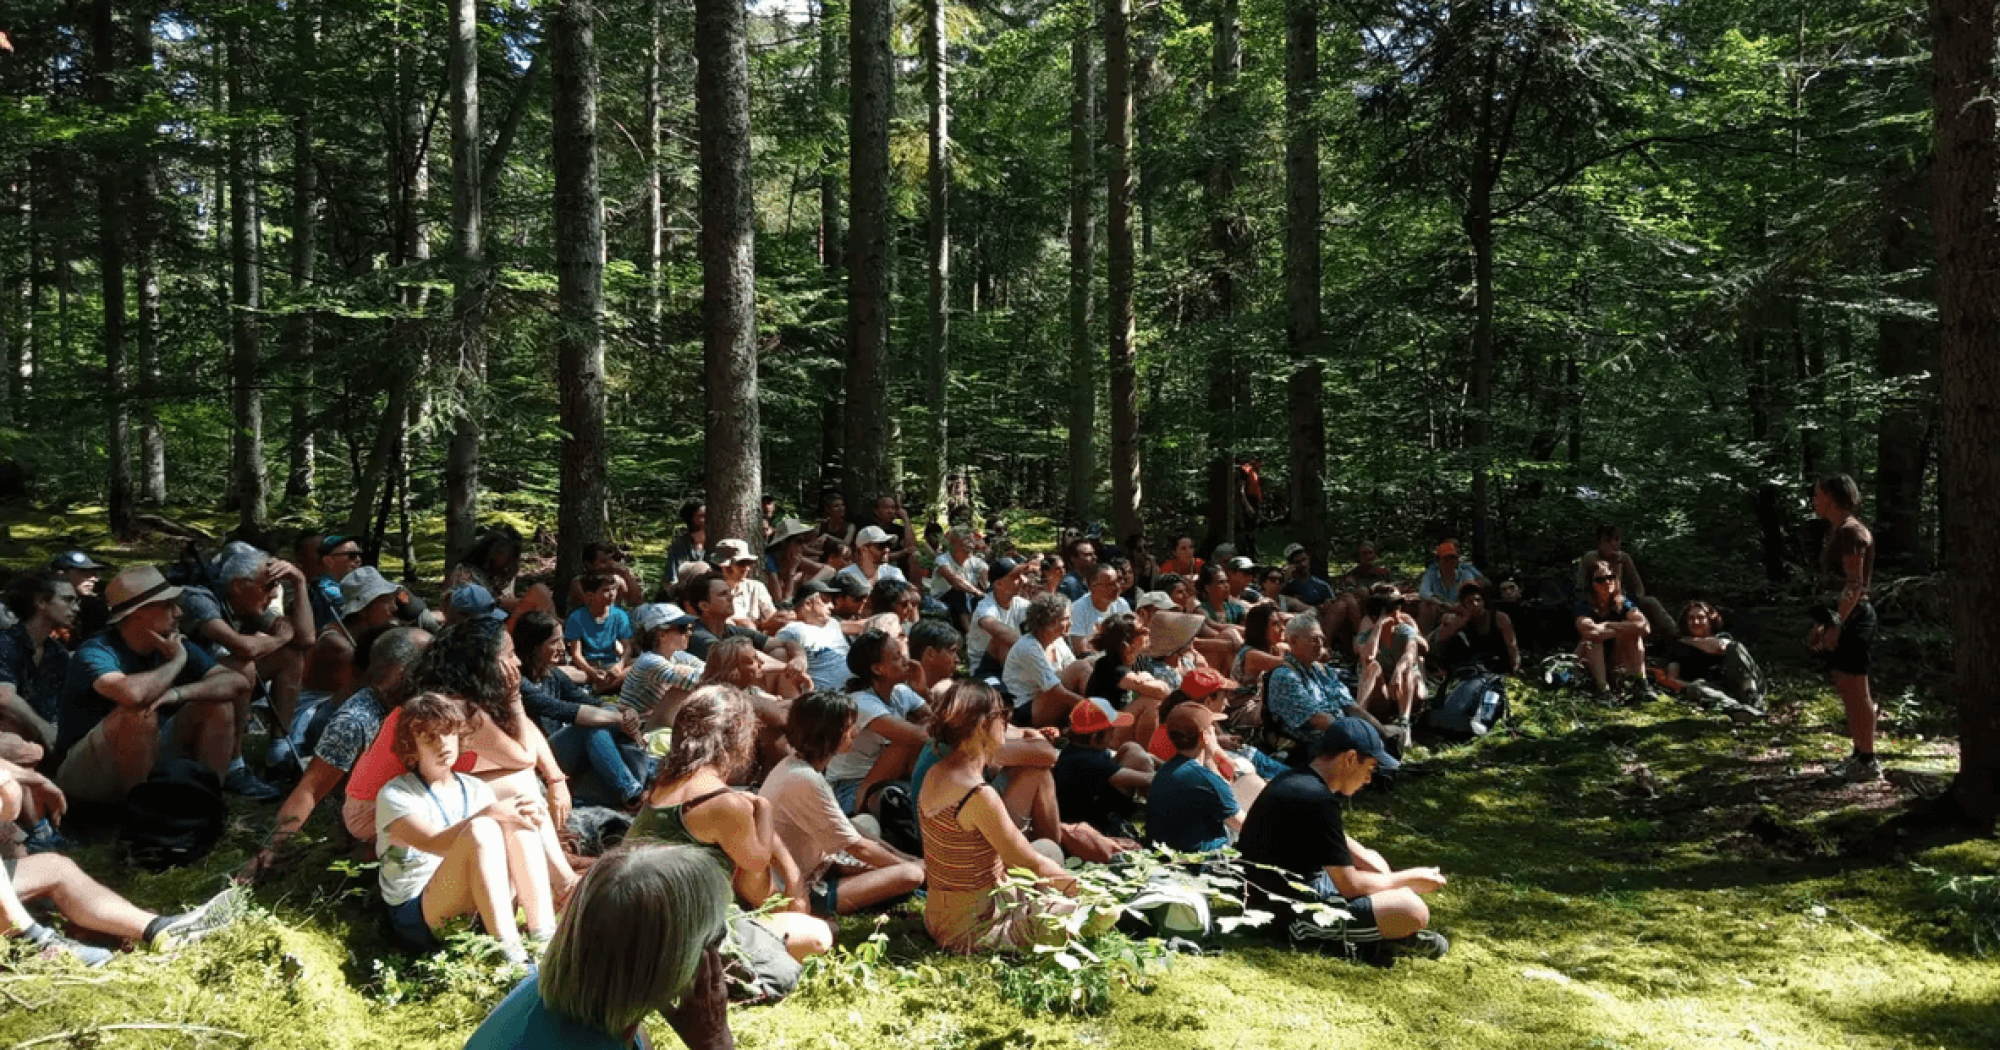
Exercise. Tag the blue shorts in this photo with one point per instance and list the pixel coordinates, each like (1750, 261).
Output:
(844, 792)
(406, 920)
(824, 897)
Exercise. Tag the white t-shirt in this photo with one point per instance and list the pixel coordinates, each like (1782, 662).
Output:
(972, 572)
(1083, 615)
(855, 762)
(826, 651)
(806, 816)
(1029, 672)
(406, 871)
(885, 571)
(978, 638)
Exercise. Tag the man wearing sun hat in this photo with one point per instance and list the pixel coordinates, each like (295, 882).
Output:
(1295, 833)
(140, 681)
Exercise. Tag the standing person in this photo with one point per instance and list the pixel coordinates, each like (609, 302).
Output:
(1295, 832)
(1250, 498)
(1438, 589)
(639, 938)
(690, 545)
(1612, 634)
(1611, 548)
(1847, 568)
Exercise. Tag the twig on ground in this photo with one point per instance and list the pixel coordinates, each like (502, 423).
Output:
(149, 1026)
(24, 1003)
(1844, 916)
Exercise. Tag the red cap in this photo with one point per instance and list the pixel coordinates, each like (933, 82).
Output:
(1094, 715)
(1201, 682)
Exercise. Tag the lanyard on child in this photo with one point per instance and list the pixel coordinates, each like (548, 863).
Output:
(464, 800)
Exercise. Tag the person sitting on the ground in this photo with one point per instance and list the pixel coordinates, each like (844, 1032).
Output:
(448, 847)
(367, 605)
(1302, 696)
(845, 868)
(1096, 777)
(665, 672)
(750, 601)
(640, 937)
(904, 547)
(140, 683)
(1242, 573)
(689, 546)
(386, 662)
(934, 649)
(1034, 667)
(1263, 648)
(33, 663)
(1473, 635)
(1612, 633)
(871, 558)
(1121, 638)
(691, 803)
(1180, 560)
(607, 559)
(996, 620)
(1240, 765)
(333, 557)
(1295, 833)
(1271, 585)
(781, 672)
(1101, 603)
(893, 605)
(257, 622)
(1049, 573)
(850, 602)
(78, 898)
(1189, 806)
(494, 562)
(786, 565)
(834, 523)
(970, 837)
(1367, 572)
(958, 575)
(734, 662)
(888, 731)
(817, 634)
(1081, 557)
(1437, 590)
(93, 614)
(1172, 653)
(600, 637)
(599, 748)
(1712, 669)
(1611, 550)
(1390, 648)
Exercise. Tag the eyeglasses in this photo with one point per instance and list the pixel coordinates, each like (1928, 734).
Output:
(1602, 579)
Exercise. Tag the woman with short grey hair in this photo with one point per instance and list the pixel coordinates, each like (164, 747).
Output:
(641, 935)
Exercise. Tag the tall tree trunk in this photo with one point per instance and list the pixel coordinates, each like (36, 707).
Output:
(832, 243)
(1125, 487)
(305, 204)
(579, 229)
(113, 178)
(246, 290)
(1966, 178)
(1219, 189)
(145, 259)
(654, 263)
(1302, 277)
(1479, 434)
(468, 283)
(732, 454)
(1082, 265)
(1908, 350)
(871, 102)
(939, 238)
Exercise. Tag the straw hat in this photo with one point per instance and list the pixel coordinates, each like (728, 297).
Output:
(1172, 631)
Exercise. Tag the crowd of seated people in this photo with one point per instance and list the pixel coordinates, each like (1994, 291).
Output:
(856, 713)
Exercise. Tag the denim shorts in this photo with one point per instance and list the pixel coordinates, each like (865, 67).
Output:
(824, 896)
(406, 920)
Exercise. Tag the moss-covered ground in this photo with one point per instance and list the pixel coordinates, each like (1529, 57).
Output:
(1630, 878)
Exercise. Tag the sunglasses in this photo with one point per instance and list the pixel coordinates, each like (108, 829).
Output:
(1602, 579)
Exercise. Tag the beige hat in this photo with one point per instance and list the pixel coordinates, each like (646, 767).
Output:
(137, 586)
(1172, 631)
(1155, 600)
(733, 551)
(786, 529)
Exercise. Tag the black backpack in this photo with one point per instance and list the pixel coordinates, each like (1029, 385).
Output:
(174, 817)
(1475, 705)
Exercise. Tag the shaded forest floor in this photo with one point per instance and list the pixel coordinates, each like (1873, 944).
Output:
(1629, 878)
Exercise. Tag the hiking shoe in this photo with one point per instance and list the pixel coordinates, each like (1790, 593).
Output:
(54, 945)
(1423, 944)
(188, 927)
(45, 839)
(1856, 769)
(241, 781)
(1744, 714)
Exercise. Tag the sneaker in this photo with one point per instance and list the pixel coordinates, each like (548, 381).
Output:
(1423, 944)
(1744, 714)
(45, 839)
(54, 946)
(188, 927)
(1856, 769)
(241, 781)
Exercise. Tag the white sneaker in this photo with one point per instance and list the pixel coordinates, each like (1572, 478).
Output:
(1855, 769)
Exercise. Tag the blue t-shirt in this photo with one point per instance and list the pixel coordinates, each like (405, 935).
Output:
(1073, 586)
(1187, 805)
(83, 706)
(1312, 590)
(523, 1022)
(600, 638)
(324, 594)
(40, 685)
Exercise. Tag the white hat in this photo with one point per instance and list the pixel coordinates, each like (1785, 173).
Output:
(870, 536)
(1155, 600)
(733, 551)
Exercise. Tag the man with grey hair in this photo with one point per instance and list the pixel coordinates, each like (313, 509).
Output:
(385, 662)
(256, 619)
(1303, 696)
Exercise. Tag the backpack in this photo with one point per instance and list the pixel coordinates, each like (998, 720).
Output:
(1476, 703)
(174, 817)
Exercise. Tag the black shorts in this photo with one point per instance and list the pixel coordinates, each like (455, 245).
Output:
(1359, 929)
(1857, 637)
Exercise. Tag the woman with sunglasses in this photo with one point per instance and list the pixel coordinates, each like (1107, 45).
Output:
(1613, 634)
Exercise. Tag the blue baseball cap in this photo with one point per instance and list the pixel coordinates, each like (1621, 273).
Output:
(472, 602)
(1353, 734)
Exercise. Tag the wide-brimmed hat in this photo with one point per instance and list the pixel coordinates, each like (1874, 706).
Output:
(1172, 631)
(788, 528)
(1094, 714)
(362, 586)
(137, 586)
(729, 552)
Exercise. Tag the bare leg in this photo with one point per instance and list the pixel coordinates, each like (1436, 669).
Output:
(804, 935)
(207, 731)
(527, 870)
(868, 888)
(1145, 712)
(1031, 796)
(1860, 706)
(473, 878)
(80, 898)
(1592, 655)
(1400, 913)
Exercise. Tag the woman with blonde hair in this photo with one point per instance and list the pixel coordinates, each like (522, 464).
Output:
(691, 803)
(733, 662)
(970, 840)
(640, 937)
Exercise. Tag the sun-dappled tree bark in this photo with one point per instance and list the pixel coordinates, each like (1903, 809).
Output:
(653, 257)
(582, 498)
(871, 102)
(938, 243)
(305, 248)
(1082, 263)
(1907, 346)
(113, 179)
(732, 452)
(246, 283)
(1966, 182)
(1125, 466)
(468, 284)
(1306, 417)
